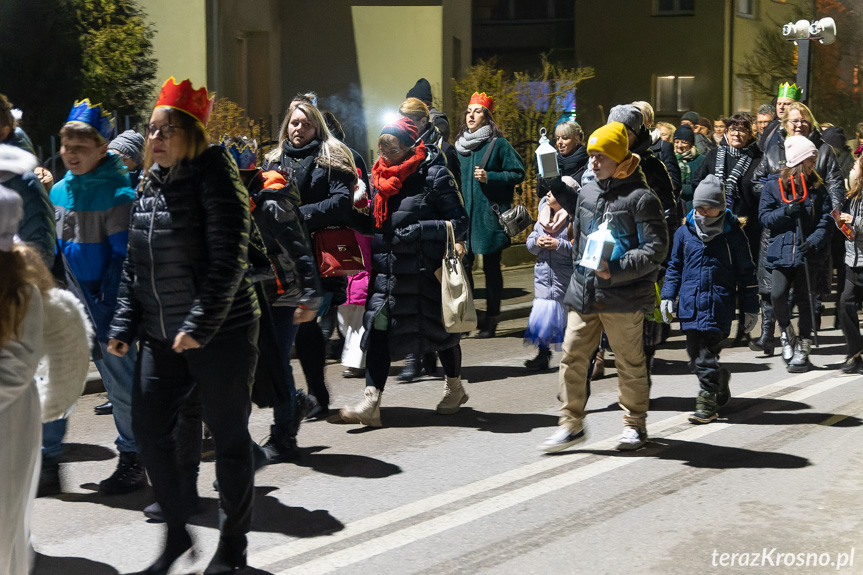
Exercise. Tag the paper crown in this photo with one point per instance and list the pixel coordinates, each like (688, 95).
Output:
(787, 90)
(196, 103)
(83, 112)
(485, 101)
(244, 151)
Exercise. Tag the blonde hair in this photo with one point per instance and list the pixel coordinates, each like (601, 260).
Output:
(332, 151)
(804, 111)
(22, 267)
(646, 111)
(415, 109)
(193, 132)
(571, 130)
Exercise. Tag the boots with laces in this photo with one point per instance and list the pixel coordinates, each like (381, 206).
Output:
(800, 360)
(788, 340)
(454, 396)
(366, 412)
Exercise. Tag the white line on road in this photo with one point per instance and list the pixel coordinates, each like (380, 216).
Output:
(431, 527)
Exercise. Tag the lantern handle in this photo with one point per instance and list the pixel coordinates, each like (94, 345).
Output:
(542, 133)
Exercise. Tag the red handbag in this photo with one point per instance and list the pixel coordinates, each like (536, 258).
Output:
(337, 252)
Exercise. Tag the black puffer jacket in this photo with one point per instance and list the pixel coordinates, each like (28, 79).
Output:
(187, 258)
(665, 152)
(659, 180)
(403, 272)
(641, 243)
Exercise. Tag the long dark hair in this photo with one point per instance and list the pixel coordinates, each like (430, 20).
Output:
(495, 130)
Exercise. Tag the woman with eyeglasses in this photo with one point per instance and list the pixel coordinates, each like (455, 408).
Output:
(797, 120)
(323, 170)
(185, 292)
(734, 162)
(413, 197)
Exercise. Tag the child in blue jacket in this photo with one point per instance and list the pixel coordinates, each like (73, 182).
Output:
(710, 267)
(551, 243)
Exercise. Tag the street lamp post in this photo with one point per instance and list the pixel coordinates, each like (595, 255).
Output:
(801, 33)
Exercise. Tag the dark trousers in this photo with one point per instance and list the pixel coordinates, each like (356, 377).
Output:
(783, 280)
(312, 353)
(378, 359)
(220, 374)
(703, 349)
(493, 280)
(848, 319)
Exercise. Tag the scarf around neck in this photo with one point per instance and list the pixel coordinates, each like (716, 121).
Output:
(388, 180)
(708, 228)
(732, 181)
(683, 163)
(552, 222)
(470, 141)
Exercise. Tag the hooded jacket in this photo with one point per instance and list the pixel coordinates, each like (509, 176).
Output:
(188, 254)
(641, 241)
(553, 268)
(709, 277)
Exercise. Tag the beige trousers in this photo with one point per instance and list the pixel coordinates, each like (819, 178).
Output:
(583, 332)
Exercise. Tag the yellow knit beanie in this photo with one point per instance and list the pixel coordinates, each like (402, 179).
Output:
(611, 140)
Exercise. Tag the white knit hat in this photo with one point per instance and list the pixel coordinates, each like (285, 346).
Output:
(11, 212)
(797, 149)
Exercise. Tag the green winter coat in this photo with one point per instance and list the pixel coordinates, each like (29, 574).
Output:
(505, 169)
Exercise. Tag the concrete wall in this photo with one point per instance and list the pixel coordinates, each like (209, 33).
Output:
(180, 43)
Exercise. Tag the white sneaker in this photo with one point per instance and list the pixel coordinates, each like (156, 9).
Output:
(561, 439)
(632, 438)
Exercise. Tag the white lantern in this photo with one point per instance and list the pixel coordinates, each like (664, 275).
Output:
(546, 157)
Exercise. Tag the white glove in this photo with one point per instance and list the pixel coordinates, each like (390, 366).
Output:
(749, 321)
(666, 307)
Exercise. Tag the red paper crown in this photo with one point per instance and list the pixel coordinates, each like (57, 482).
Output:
(483, 100)
(196, 103)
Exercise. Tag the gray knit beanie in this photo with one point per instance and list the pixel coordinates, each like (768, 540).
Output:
(11, 212)
(628, 115)
(709, 193)
(130, 144)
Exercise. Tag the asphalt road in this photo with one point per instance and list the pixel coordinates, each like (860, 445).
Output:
(779, 474)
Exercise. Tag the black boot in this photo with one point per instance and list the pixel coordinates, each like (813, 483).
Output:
(106, 408)
(766, 342)
(540, 362)
(177, 543)
(742, 338)
(128, 477)
(429, 366)
(281, 446)
(49, 478)
(489, 329)
(411, 370)
(230, 556)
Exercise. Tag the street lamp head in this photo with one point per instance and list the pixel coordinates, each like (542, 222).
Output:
(796, 30)
(824, 29)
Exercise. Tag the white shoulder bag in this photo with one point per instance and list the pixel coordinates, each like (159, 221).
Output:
(459, 314)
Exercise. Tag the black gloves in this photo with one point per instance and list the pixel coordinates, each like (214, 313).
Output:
(805, 248)
(793, 210)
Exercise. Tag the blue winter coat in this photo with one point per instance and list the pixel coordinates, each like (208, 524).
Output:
(553, 269)
(709, 276)
(782, 249)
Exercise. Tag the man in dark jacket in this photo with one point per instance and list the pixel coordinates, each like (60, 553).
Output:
(612, 293)
(422, 90)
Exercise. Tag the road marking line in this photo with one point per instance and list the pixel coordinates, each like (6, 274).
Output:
(298, 547)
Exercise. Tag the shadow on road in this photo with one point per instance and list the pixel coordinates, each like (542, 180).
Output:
(467, 417)
(346, 465)
(484, 373)
(680, 367)
(77, 452)
(706, 455)
(47, 565)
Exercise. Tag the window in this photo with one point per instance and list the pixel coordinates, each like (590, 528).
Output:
(673, 7)
(674, 93)
(746, 8)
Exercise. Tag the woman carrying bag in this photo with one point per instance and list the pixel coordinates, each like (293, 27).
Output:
(490, 170)
(414, 197)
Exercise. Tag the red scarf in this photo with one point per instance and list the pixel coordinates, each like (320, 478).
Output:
(388, 180)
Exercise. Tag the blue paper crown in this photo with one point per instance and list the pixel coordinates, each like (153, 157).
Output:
(94, 116)
(244, 151)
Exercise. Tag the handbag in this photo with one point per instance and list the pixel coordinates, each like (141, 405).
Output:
(459, 313)
(337, 252)
(515, 220)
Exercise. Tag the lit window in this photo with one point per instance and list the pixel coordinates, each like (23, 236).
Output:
(674, 93)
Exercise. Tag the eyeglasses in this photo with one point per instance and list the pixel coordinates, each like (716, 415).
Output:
(389, 154)
(167, 131)
(736, 130)
(800, 122)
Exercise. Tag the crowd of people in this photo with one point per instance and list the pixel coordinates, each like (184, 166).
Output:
(195, 271)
